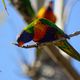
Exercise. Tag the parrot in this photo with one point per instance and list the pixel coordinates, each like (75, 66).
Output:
(42, 30)
(47, 12)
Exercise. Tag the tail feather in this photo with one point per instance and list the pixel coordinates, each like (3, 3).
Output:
(66, 47)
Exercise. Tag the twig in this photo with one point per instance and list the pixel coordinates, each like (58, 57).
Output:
(47, 43)
(74, 34)
(28, 46)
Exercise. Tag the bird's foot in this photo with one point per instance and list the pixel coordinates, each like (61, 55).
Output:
(37, 44)
(67, 36)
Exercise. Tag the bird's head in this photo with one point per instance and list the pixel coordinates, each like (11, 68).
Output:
(23, 38)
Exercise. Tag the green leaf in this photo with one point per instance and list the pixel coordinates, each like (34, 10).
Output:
(4, 5)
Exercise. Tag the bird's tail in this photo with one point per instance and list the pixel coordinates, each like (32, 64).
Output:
(66, 47)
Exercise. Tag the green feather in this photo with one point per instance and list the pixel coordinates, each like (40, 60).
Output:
(51, 24)
(4, 5)
(66, 47)
(30, 27)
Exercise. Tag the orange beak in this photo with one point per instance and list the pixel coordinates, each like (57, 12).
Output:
(20, 44)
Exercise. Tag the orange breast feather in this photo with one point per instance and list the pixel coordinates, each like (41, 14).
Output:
(39, 31)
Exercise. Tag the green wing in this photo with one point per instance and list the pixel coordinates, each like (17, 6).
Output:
(51, 24)
(58, 32)
(46, 22)
(63, 44)
(66, 47)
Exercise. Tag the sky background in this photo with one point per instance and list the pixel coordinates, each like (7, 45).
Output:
(72, 26)
(10, 27)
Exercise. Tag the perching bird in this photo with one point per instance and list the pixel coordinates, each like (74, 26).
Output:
(47, 12)
(42, 30)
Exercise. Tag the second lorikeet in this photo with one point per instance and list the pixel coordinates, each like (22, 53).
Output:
(47, 12)
(42, 30)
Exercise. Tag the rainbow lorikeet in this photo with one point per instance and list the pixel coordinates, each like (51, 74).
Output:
(42, 30)
(47, 12)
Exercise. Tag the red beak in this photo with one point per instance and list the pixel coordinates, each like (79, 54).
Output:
(20, 44)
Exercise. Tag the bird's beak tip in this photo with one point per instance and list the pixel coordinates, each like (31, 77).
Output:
(20, 44)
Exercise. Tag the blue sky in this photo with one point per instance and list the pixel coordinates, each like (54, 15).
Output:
(72, 26)
(10, 27)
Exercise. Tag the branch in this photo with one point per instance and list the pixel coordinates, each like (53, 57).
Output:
(28, 46)
(47, 43)
(62, 61)
(25, 9)
(74, 34)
